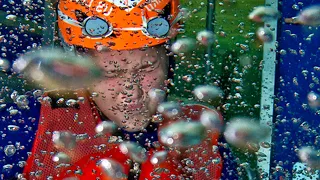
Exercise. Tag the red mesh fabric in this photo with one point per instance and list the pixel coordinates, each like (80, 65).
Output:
(148, 170)
(62, 119)
(89, 168)
(205, 162)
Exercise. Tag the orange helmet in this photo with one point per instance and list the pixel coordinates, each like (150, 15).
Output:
(117, 24)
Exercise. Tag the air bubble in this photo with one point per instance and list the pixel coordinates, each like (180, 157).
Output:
(4, 64)
(111, 169)
(205, 37)
(309, 16)
(208, 93)
(264, 14)
(157, 95)
(310, 156)
(105, 127)
(211, 120)
(37, 93)
(13, 128)
(9, 150)
(169, 109)
(183, 134)
(64, 140)
(183, 45)
(11, 17)
(264, 35)
(134, 151)
(54, 68)
(313, 100)
(159, 157)
(245, 133)
(295, 7)
(61, 157)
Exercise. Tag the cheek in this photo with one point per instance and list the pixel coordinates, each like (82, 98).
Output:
(107, 88)
(154, 79)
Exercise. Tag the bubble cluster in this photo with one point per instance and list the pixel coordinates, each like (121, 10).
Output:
(22, 101)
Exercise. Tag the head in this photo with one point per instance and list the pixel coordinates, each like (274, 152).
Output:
(127, 42)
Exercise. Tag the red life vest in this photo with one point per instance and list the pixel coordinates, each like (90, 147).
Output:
(207, 164)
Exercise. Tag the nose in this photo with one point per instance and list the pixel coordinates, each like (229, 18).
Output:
(132, 90)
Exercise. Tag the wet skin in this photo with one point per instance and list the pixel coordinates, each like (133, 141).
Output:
(128, 76)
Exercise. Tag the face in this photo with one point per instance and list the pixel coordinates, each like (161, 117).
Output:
(129, 75)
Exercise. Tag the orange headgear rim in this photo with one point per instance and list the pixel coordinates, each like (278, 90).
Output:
(117, 24)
